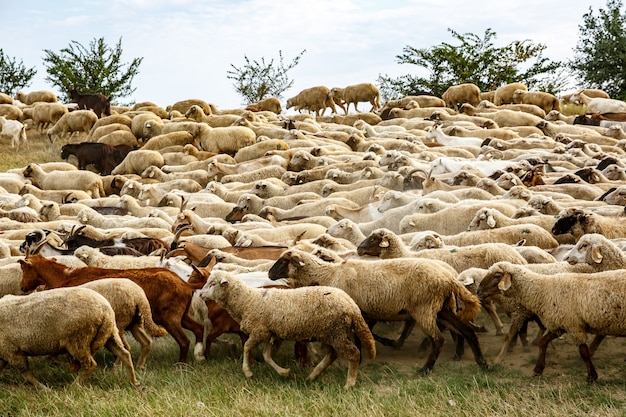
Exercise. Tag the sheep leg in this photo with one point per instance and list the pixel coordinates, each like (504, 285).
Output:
(117, 348)
(327, 360)
(252, 342)
(543, 347)
(396, 344)
(592, 375)
(348, 350)
(490, 308)
(20, 361)
(270, 348)
(595, 343)
(517, 322)
(542, 330)
(464, 332)
(144, 341)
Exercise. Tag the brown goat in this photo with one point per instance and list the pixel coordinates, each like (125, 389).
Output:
(168, 294)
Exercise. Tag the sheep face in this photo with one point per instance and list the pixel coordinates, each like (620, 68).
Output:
(568, 220)
(587, 250)
(284, 265)
(374, 244)
(496, 281)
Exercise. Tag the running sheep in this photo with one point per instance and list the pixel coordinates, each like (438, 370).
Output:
(78, 321)
(271, 315)
(422, 290)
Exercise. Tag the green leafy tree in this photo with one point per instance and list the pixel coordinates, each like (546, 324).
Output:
(600, 53)
(474, 60)
(94, 69)
(14, 75)
(256, 80)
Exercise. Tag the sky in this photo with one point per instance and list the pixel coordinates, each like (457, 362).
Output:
(189, 45)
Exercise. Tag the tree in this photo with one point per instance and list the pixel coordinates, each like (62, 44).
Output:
(600, 53)
(14, 75)
(475, 60)
(97, 69)
(256, 80)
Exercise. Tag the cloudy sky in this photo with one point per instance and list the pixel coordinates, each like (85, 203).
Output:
(188, 45)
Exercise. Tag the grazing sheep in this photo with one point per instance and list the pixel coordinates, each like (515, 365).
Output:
(546, 101)
(158, 142)
(73, 122)
(12, 112)
(504, 93)
(78, 321)
(423, 290)
(572, 303)
(325, 314)
(312, 99)
(35, 96)
(260, 149)
(137, 161)
(268, 104)
(364, 92)
(462, 93)
(87, 181)
(45, 114)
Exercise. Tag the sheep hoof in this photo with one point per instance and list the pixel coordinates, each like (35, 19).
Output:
(499, 332)
(284, 372)
(424, 371)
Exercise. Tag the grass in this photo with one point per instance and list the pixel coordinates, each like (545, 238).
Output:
(218, 387)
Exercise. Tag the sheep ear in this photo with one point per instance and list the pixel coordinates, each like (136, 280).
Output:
(468, 281)
(505, 282)
(491, 222)
(596, 255)
(384, 243)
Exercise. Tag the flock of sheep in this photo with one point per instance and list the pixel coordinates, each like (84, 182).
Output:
(421, 210)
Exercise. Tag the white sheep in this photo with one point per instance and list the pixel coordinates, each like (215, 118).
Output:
(504, 93)
(423, 288)
(565, 302)
(462, 93)
(73, 122)
(269, 316)
(225, 139)
(599, 104)
(16, 132)
(87, 181)
(92, 217)
(596, 250)
(78, 321)
(546, 101)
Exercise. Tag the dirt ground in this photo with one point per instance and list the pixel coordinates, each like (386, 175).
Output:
(563, 359)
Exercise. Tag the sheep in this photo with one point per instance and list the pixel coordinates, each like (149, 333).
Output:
(596, 250)
(435, 133)
(564, 302)
(348, 230)
(138, 161)
(35, 96)
(270, 171)
(87, 181)
(91, 217)
(132, 312)
(364, 92)
(15, 130)
(226, 139)
(94, 257)
(44, 114)
(184, 105)
(213, 120)
(259, 149)
(159, 142)
(268, 104)
(546, 101)
(462, 93)
(325, 314)
(533, 234)
(504, 94)
(423, 288)
(312, 99)
(599, 104)
(579, 222)
(385, 244)
(200, 176)
(74, 121)
(78, 321)
(489, 218)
